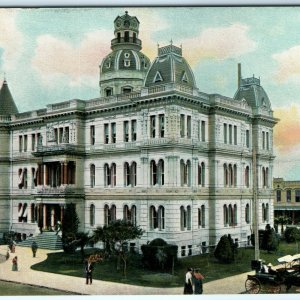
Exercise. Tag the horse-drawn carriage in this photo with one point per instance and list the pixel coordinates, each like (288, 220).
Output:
(270, 281)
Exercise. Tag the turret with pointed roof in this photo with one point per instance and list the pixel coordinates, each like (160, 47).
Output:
(7, 103)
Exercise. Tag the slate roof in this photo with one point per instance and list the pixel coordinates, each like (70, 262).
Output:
(7, 103)
(255, 95)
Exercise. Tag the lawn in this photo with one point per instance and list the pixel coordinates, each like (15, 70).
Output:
(137, 274)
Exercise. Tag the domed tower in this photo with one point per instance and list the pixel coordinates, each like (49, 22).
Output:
(170, 67)
(124, 69)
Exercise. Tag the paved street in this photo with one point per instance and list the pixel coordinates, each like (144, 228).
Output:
(229, 285)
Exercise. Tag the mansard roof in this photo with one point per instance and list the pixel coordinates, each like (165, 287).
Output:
(170, 67)
(255, 95)
(7, 104)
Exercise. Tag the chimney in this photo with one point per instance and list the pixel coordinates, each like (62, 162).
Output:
(239, 75)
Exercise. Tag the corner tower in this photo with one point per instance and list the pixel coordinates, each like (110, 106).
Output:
(124, 69)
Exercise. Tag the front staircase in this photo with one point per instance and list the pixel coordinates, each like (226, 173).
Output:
(46, 240)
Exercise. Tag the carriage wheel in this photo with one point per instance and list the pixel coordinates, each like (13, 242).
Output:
(274, 288)
(252, 286)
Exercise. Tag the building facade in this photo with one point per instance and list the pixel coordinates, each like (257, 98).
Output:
(152, 149)
(287, 199)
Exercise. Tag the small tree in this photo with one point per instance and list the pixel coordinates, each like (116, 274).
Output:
(224, 250)
(70, 228)
(269, 240)
(116, 236)
(282, 220)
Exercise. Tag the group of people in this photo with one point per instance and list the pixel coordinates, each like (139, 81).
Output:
(193, 282)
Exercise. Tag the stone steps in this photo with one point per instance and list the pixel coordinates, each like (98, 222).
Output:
(45, 240)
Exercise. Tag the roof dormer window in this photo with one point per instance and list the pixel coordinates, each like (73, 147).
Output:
(126, 63)
(157, 77)
(184, 78)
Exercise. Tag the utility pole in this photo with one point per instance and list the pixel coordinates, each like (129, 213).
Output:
(255, 205)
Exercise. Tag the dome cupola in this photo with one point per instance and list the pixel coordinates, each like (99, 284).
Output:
(170, 67)
(124, 69)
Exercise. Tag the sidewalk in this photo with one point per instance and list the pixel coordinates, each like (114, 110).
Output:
(229, 285)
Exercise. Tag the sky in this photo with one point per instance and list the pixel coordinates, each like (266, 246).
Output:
(50, 55)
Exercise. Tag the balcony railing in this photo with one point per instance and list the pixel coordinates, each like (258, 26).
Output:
(58, 149)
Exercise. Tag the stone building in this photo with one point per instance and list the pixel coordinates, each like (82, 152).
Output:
(287, 199)
(152, 149)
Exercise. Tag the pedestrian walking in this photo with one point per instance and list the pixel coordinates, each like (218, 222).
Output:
(89, 272)
(197, 280)
(15, 264)
(188, 285)
(34, 247)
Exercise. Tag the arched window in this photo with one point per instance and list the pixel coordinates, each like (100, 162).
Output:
(92, 175)
(263, 212)
(247, 214)
(202, 216)
(199, 217)
(189, 218)
(153, 170)
(225, 175)
(188, 172)
(113, 174)
(32, 213)
(133, 215)
(263, 177)
(127, 181)
(161, 218)
(161, 170)
(107, 217)
(230, 175)
(133, 173)
(225, 215)
(235, 219)
(267, 177)
(267, 213)
(182, 173)
(126, 214)
(235, 175)
(25, 178)
(203, 174)
(113, 213)
(92, 215)
(199, 174)
(107, 180)
(153, 218)
(247, 177)
(230, 215)
(183, 218)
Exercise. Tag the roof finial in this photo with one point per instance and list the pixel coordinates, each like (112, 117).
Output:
(126, 12)
(4, 79)
(171, 42)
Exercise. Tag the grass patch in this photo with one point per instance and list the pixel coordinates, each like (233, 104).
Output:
(137, 274)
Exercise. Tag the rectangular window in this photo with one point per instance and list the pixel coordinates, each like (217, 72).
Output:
(189, 127)
(92, 134)
(126, 131)
(288, 195)
(190, 250)
(225, 133)
(297, 195)
(199, 128)
(133, 130)
(235, 134)
(161, 126)
(152, 126)
(203, 138)
(263, 140)
(66, 135)
(247, 138)
(33, 142)
(106, 134)
(267, 140)
(230, 134)
(20, 143)
(182, 125)
(278, 195)
(182, 250)
(61, 135)
(25, 142)
(113, 132)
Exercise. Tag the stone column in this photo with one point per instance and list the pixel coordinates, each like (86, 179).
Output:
(44, 215)
(52, 216)
(66, 173)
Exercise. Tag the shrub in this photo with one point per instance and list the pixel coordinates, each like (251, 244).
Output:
(291, 234)
(159, 255)
(224, 251)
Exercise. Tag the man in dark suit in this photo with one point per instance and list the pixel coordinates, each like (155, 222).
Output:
(89, 272)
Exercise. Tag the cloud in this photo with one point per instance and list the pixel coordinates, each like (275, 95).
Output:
(288, 64)
(11, 39)
(218, 43)
(79, 64)
(287, 131)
